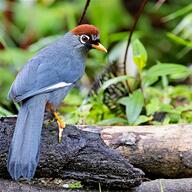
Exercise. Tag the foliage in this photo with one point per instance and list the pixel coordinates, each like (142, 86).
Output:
(182, 33)
(134, 104)
(76, 185)
(175, 71)
(154, 96)
(139, 54)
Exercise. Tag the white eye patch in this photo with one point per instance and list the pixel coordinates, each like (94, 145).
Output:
(84, 38)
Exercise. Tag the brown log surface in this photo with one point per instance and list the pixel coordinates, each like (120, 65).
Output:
(82, 156)
(160, 151)
(165, 185)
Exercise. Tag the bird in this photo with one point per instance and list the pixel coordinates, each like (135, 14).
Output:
(44, 82)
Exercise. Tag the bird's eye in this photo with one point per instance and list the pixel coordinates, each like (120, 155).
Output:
(84, 38)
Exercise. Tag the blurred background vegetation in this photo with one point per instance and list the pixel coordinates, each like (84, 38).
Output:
(165, 30)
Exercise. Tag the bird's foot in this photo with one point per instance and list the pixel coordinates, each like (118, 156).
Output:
(61, 125)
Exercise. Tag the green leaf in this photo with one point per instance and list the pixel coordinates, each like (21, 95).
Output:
(187, 116)
(178, 13)
(4, 112)
(163, 69)
(14, 56)
(172, 118)
(179, 40)
(75, 185)
(167, 108)
(143, 119)
(113, 121)
(114, 81)
(134, 104)
(153, 106)
(43, 42)
(139, 54)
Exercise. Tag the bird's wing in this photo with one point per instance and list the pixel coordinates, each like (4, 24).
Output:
(47, 71)
(43, 90)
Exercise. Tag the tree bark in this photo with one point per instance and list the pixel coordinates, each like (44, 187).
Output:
(82, 156)
(160, 151)
(165, 185)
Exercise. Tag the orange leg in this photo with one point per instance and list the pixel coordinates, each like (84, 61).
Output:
(60, 121)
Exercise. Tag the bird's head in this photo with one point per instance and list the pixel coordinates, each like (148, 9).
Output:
(88, 36)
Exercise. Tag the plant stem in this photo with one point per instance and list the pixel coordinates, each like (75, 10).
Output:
(84, 11)
(129, 39)
(141, 86)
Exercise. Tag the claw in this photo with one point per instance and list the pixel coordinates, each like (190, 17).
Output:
(60, 135)
(61, 125)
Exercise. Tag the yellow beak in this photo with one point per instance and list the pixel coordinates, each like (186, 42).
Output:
(99, 47)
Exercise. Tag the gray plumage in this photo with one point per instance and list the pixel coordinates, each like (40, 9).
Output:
(47, 77)
(62, 61)
(24, 149)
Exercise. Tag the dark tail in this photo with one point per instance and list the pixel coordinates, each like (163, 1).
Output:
(24, 149)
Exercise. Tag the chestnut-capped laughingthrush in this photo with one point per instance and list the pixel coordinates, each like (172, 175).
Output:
(44, 82)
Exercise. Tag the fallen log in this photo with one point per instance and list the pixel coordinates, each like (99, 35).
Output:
(9, 186)
(82, 156)
(165, 185)
(160, 151)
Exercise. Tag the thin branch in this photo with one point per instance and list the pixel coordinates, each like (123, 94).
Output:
(129, 38)
(159, 4)
(84, 11)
